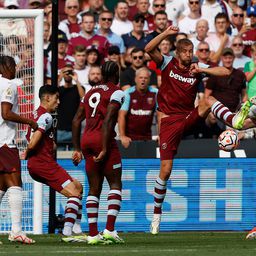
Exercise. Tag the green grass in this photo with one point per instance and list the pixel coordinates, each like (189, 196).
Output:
(178, 243)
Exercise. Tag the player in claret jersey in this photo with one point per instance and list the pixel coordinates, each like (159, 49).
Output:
(176, 97)
(100, 108)
(43, 167)
(10, 168)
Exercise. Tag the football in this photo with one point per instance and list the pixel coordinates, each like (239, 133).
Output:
(228, 140)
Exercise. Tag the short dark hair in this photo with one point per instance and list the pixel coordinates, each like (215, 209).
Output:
(47, 89)
(161, 12)
(183, 42)
(87, 14)
(221, 15)
(136, 49)
(7, 66)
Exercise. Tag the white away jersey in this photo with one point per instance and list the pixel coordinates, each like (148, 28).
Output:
(8, 93)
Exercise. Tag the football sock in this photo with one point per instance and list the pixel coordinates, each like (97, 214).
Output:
(77, 226)
(15, 202)
(223, 113)
(70, 215)
(92, 208)
(159, 195)
(114, 205)
(1, 195)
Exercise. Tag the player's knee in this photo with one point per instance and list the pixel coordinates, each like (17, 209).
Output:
(95, 192)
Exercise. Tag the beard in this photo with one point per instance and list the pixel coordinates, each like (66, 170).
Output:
(94, 82)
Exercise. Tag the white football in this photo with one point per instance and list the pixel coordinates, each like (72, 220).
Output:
(228, 140)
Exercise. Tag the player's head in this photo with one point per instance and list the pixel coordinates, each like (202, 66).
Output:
(110, 72)
(184, 51)
(7, 67)
(49, 97)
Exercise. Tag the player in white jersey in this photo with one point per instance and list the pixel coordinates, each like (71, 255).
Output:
(10, 167)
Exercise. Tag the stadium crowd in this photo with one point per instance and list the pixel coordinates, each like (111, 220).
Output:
(93, 31)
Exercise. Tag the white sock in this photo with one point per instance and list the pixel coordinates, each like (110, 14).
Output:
(77, 228)
(15, 202)
(1, 195)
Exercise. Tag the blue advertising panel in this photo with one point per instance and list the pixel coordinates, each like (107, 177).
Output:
(202, 194)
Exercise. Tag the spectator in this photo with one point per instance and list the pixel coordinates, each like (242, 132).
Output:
(121, 19)
(201, 33)
(127, 76)
(69, 93)
(210, 8)
(35, 4)
(160, 23)
(46, 38)
(238, 47)
(238, 26)
(137, 36)
(231, 89)
(132, 8)
(128, 57)
(71, 25)
(250, 73)
(219, 40)
(11, 4)
(143, 6)
(95, 8)
(105, 22)
(232, 4)
(158, 5)
(94, 76)
(92, 57)
(114, 55)
(87, 37)
(187, 24)
(136, 114)
(80, 67)
(174, 9)
(203, 54)
(47, 7)
(63, 57)
(249, 37)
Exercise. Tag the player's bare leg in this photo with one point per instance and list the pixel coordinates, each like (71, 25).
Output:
(159, 194)
(114, 205)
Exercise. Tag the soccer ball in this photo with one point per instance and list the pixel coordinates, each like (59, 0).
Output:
(228, 140)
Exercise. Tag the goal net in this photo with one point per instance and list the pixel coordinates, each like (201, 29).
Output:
(21, 36)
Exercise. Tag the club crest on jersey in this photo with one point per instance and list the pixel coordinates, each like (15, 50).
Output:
(150, 101)
(164, 145)
(183, 79)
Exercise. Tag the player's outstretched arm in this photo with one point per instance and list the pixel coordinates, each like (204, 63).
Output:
(216, 71)
(76, 131)
(107, 129)
(151, 47)
(9, 115)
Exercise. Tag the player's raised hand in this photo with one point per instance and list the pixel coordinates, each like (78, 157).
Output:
(100, 156)
(76, 157)
(172, 30)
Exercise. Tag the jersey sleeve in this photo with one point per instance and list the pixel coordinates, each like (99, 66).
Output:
(9, 93)
(44, 122)
(166, 60)
(127, 98)
(117, 97)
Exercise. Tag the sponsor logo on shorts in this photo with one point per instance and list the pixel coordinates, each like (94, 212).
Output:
(164, 146)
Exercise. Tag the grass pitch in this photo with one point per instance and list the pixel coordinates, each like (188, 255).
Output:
(175, 243)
